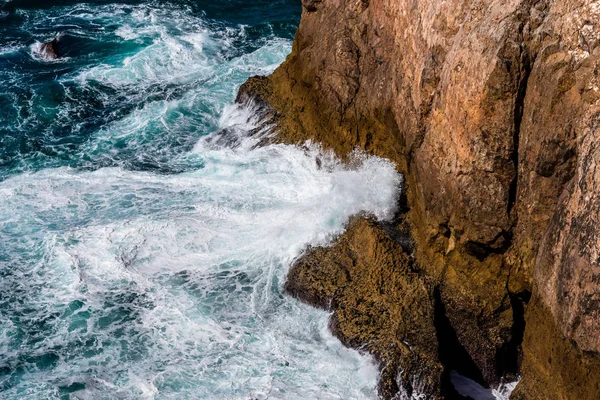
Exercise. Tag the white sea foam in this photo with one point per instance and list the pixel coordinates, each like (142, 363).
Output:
(177, 55)
(468, 387)
(194, 110)
(8, 49)
(187, 271)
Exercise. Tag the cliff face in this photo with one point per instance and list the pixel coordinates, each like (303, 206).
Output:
(490, 109)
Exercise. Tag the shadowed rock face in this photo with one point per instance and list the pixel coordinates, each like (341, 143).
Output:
(311, 5)
(490, 109)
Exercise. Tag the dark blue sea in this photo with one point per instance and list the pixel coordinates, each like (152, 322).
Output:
(140, 258)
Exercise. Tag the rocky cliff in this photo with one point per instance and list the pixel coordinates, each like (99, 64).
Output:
(491, 111)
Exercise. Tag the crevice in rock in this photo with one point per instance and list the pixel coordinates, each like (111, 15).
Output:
(452, 354)
(526, 66)
(398, 228)
(345, 104)
(509, 357)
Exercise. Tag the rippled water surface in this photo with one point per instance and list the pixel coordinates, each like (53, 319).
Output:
(137, 259)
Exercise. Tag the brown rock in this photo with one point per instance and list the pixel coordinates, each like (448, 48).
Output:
(311, 5)
(381, 82)
(554, 367)
(379, 304)
(490, 109)
(557, 241)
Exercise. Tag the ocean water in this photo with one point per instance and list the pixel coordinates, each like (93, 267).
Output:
(140, 258)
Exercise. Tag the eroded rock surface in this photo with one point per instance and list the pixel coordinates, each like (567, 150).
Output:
(557, 238)
(395, 322)
(490, 109)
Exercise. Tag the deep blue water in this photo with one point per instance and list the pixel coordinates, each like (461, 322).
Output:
(50, 112)
(139, 260)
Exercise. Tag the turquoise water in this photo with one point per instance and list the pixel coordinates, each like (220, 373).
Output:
(139, 258)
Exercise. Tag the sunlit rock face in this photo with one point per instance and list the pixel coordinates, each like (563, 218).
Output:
(490, 110)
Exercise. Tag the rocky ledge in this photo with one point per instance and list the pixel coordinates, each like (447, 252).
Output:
(491, 111)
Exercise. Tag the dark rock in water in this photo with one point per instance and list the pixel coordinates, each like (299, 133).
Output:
(50, 49)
